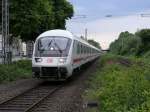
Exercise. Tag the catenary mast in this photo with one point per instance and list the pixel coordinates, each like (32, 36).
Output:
(5, 32)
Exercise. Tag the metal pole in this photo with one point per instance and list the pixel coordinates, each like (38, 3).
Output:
(86, 33)
(5, 31)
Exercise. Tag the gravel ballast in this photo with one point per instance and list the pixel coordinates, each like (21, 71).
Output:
(12, 89)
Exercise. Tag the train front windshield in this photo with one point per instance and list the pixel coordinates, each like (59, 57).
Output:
(52, 47)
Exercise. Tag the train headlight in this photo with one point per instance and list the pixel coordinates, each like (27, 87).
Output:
(62, 60)
(38, 60)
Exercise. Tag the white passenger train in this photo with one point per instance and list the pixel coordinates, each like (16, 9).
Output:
(58, 52)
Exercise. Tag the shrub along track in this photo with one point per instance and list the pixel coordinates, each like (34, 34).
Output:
(121, 85)
(60, 97)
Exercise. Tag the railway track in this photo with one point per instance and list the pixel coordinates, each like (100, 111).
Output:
(28, 100)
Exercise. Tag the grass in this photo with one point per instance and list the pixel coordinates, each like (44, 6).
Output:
(121, 88)
(16, 70)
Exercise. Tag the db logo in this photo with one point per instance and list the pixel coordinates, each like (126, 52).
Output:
(49, 60)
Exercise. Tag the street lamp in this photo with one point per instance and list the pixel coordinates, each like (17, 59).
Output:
(145, 15)
(109, 15)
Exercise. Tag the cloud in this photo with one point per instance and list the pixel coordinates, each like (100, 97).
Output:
(107, 6)
(107, 30)
(79, 9)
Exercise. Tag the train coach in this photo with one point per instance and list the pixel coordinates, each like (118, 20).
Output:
(58, 52)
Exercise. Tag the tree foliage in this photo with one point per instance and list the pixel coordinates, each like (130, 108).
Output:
(126, 44)
(94, 43)
(30, 18)
(62, 10)
(144, 34)
(137, 44)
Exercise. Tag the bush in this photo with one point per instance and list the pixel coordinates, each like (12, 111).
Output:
(16, 70)
(119, 88)
(127, 44)
(147, 55)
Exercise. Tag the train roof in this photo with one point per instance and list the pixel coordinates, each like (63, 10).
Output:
(64, 33)
(57, 32)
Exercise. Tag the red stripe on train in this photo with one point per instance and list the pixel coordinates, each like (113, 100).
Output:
(77, 60)
(80, 59)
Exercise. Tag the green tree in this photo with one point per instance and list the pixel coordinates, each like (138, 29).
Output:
(30, 18)
(24, 18)
(94, 43)
(62, 10)
(126, 44)
(144, 34)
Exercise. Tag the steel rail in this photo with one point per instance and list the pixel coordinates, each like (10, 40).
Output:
(42, 99)
(18, 95)
(28, 99)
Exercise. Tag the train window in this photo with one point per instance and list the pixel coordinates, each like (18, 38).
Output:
(53, 46)
(84, 49)
(87, 50)
(57, 43)
(78, 48)
(81, 49)
(74, 44)
(90, 50)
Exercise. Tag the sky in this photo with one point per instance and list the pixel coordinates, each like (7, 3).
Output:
(91, 15)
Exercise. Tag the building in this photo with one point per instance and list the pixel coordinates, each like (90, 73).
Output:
(18, 47)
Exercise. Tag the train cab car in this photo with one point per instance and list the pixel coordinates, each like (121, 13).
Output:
(58, 52)
(51, 55)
